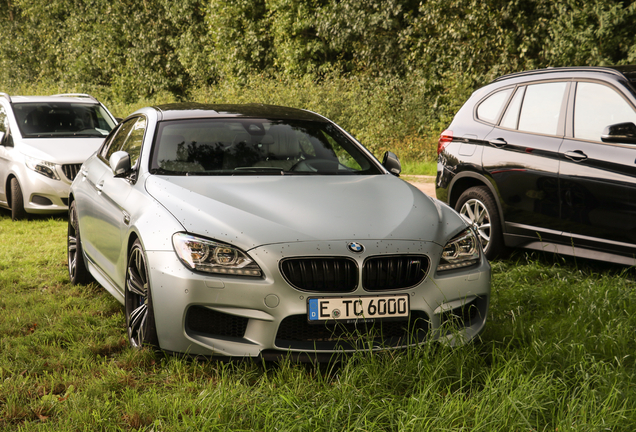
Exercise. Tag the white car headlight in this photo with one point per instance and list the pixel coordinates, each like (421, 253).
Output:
(213, 257)
(461, 251)
(45, 168)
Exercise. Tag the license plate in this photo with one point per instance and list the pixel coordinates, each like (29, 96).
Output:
(357, 308)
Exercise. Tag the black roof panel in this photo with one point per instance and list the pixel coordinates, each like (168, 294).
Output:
(188, 110)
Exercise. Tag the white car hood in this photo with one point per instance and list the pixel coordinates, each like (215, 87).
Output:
(251, 211)
(60, 150)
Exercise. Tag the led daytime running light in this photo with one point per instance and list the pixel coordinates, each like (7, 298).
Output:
(213, 257)
(462, 251)
(45, 168)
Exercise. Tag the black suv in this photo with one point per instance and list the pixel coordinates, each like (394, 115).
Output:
(546, 160)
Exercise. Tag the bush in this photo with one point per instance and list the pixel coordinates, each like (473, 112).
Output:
(393, 71)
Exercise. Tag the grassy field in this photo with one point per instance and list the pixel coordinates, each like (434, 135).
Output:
(557, 355)
(419, 167)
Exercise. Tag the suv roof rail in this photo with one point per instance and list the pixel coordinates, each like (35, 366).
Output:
(606, 69)
(77, 95)
(6, 95)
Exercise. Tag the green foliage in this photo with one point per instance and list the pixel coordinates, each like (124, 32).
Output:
(298, 47)
(154, 45)
(393, 71)
(595, 33)
(239, 37)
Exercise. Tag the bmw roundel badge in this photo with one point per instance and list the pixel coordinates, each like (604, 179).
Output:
(355, 247)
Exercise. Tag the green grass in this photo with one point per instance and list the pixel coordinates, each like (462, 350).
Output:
(557, 355)
(415, 167)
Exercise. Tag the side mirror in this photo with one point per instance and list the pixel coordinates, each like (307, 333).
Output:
(391, 162)
(120, 163)
(620, 133)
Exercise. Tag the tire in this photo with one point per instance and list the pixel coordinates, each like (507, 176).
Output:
(77, 271)
(140, 316)
(17, 201)
(477, 206)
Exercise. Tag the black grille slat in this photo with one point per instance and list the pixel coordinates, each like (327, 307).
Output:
(215, 324)
(332, 275)
(394, 272)
(295, 332)
(71, 170)
(321, 274)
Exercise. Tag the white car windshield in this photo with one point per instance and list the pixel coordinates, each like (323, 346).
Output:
(62, 119)
(256, 146)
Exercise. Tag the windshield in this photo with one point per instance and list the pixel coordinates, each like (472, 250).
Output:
(62, 119)
(256, 147)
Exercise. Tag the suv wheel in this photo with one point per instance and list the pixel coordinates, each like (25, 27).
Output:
(17, 201)
(477, 206)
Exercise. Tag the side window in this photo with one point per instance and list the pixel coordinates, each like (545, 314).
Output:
(490, 108)
(541, 108)
(597, 106)
(511, 117)
(7, 140)
(133, 144)
(4, 120)
(118, 140)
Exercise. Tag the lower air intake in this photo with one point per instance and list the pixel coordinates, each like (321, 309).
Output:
(211, 323)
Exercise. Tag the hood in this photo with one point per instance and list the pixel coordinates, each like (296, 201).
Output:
(60, 150)
(251, 211)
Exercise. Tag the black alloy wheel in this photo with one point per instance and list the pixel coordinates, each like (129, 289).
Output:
(477, 206)
(77, 271)
(17, 201)
(140, 319)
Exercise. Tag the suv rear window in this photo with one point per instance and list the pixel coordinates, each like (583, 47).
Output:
(490, 108)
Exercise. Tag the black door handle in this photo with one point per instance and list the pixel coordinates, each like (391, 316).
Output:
(576, 155)
(499, 142)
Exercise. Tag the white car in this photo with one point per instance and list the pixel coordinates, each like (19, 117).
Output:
(43, 142)
(256, 230)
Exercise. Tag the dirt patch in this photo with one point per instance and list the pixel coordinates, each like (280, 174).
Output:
(424, 183)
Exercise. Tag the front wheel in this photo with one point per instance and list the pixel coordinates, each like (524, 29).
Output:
(17, 201)
(77, 271)
(140, 316)
(477, 206)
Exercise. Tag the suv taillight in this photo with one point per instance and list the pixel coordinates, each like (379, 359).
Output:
(444, 139)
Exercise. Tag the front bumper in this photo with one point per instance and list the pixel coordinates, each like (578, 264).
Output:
(201, 314)
(42, 194)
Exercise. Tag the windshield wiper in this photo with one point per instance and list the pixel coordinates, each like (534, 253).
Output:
(162, 171)
(64, 135)
(258, 170)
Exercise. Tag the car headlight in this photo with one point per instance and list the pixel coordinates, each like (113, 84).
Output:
(461, 251)
(213, 257)
(45, 168)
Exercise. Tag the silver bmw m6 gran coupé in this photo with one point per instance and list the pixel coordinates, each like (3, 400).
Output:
(256, 230)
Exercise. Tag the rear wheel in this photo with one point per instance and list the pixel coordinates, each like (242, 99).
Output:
(17, 201)
(77, 271)
(477, 206)
(140, 317)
